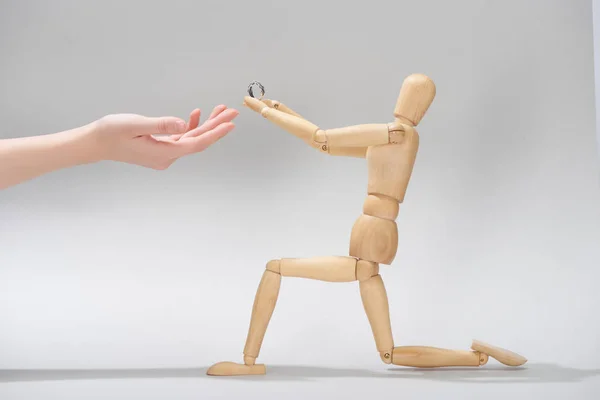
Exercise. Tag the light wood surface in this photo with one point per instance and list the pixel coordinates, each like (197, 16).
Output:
(295, 125)
(281, 107)
(262, 310)
(366, 269)
(358, 152)
(432, 357)
(363, 135)
(274, 266)
(416, 95)
(318, 140)
(378, 205)
(374, 239)
(329, 269)
(375, 302)
(390, 166)
(227, 368)
(504, 356)
(390, 150)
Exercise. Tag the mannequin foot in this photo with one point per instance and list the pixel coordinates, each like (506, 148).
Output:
(227, 368)
(503, 356)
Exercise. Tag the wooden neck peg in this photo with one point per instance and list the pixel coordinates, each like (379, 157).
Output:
(415, 97)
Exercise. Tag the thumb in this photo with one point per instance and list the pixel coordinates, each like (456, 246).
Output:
(159, 125)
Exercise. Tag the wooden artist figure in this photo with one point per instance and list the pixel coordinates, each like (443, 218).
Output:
(390, 150)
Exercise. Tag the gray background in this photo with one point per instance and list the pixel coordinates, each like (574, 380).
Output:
(144, 278)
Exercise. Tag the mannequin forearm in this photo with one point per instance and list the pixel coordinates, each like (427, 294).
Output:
(22, 159)
(332, 149)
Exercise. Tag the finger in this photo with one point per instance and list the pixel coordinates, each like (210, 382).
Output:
(217, 110)
(194, 119)
(158, 125)
(198, 143)
(224, 117)
(270, 103)
(170, 138)
(254, 104)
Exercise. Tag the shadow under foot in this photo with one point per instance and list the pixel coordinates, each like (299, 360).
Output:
(532, 373)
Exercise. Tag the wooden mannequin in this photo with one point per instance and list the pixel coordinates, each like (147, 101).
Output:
(390, 150)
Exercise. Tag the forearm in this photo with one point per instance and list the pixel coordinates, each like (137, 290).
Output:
(335, 150)
(22, 159)
(356, 152)
(364, 135)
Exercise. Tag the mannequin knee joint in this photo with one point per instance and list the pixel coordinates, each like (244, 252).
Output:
(366, 269)
(274, 266)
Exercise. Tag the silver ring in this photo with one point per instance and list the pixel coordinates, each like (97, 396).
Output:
(260, 86)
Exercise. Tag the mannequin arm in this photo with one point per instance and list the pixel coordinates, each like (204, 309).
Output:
(349, 141)
(281, 107)
(360, 152)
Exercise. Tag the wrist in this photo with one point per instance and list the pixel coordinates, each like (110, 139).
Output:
(84, 145)
(22, 159)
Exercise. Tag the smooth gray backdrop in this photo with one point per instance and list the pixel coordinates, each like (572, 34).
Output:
(134, 275)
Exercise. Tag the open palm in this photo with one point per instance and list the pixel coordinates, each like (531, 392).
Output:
(157, 142)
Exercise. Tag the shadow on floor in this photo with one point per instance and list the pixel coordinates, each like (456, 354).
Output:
(533, 373)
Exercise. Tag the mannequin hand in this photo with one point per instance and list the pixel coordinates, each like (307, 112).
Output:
(157, 142)
(254, 104)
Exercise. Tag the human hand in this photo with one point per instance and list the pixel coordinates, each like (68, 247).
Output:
(157, 142)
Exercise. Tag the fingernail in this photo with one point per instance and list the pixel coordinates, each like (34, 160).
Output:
(181, 125)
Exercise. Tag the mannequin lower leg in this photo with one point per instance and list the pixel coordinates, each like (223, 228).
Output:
(375, 302)
(432, 357)
(262, 310)
(329, 269)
